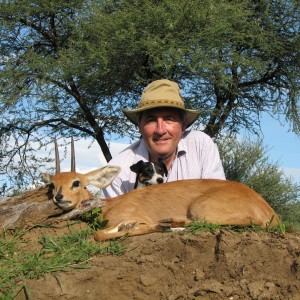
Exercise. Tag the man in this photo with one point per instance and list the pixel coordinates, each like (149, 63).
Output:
(162, 120)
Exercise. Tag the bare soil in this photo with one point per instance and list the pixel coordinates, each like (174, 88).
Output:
(181, 265)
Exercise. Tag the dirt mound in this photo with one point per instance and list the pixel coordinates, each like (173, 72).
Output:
(179, 265)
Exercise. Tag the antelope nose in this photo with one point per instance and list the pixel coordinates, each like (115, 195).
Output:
(159, 180)
(58, 197)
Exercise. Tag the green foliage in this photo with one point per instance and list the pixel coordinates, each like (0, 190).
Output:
(56, 254)
(247, 162)
(67, 67)
(94, 219)
(291, 214)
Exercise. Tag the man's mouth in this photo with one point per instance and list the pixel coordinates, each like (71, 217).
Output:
(161, 141)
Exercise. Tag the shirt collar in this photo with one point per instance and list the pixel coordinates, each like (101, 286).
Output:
(182, 147)
(142, 152)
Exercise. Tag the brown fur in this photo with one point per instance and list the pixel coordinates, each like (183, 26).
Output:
(167, 205)
(218, 201)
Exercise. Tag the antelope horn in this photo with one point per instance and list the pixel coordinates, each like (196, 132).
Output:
(73, 167)
(57, 161)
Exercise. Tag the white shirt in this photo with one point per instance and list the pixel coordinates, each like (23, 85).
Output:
(197, 157)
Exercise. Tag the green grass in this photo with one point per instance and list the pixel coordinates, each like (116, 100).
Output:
(72, 250)
(281, 229)
(199, 226)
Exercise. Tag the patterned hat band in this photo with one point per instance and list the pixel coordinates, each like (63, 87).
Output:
(154, 103)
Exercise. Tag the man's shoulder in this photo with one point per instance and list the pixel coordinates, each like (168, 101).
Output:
(126, 154)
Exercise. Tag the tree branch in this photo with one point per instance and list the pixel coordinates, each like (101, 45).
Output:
(49, 122)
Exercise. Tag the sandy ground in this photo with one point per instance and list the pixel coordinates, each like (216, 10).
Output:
(181, 265)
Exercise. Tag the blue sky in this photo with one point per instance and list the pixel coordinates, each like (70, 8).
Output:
(284, 148)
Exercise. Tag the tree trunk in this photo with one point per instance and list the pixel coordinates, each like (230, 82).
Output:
(36, 207)
(103, 145)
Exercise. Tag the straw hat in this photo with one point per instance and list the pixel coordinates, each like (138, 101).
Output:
(162, 93)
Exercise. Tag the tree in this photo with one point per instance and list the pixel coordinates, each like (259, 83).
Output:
(69, 66)
(51, 85)
(41, 74)
(235, 59)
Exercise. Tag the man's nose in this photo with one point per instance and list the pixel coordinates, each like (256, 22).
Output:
(160, 126)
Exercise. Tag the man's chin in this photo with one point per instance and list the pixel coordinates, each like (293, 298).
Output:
(162, 147)
(162, 155)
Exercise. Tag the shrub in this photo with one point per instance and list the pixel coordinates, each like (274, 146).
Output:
(248, 162)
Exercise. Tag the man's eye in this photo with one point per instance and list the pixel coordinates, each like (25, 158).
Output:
(150, 119)
(76, 183)
(170, 119)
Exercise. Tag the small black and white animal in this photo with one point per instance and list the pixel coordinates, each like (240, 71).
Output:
(148, 173)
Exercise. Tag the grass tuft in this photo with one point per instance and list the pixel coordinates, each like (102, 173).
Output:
(198, 226)
(56, 254)
(280, 229)
(94, 219)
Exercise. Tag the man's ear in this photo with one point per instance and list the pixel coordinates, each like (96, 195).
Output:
(103, 177)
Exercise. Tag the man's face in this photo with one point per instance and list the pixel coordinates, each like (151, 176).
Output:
(161, 129)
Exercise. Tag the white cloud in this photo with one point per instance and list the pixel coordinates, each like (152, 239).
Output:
(89, 156)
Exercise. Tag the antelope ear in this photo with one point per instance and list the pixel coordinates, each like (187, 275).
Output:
(46, 178)
(102, 177)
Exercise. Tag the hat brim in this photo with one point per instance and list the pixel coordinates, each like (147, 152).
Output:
(191, 115)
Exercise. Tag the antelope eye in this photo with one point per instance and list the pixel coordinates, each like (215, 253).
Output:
(76, 183)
